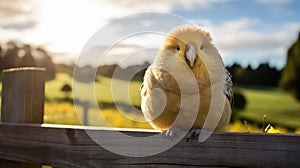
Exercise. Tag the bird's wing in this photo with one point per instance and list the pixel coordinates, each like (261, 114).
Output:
(153, 100)
(228, 87)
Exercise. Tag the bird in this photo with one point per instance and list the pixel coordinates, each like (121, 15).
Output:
(188, 66)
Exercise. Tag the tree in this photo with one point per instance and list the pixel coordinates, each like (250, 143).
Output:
(263, 75)
(10, 58)
(84, 74)
(43, 59)
(27, 60)
(290, 78)
(17, 54)
(239, 103)
(67, 89)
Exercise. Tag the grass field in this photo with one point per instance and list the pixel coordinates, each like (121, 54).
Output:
(59, 112)
(281, 109)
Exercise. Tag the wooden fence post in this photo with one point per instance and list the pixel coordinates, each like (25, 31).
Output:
(22, 101)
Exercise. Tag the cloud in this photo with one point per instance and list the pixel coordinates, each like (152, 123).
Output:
(248, 40)
(278, 7)
(18, 18)
(52, 21)
(273, 2)
(247, 33)
(164, 6)
(122, 54)
(244, 40)
(19, 25)
(18, 10)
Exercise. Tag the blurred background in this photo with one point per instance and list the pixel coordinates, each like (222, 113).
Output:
(258, 41)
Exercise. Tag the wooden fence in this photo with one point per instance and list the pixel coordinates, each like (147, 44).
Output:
(26, 142)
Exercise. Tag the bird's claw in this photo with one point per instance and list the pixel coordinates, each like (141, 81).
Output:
(193, 133)
(172, 133)
(169, 133)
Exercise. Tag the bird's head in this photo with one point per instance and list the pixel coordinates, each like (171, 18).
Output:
(189, 43)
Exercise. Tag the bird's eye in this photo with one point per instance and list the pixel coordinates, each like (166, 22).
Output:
(201, 47)
(178, 48)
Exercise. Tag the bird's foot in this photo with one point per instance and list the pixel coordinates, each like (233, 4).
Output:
(194, 133)
(174, 134)
(169, 133)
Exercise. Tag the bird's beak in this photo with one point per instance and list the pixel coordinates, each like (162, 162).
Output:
(191, 54)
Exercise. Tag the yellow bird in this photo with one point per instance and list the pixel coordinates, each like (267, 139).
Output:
(188, 65)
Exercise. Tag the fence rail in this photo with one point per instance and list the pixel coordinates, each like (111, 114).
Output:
(71, 146)
(24, 142)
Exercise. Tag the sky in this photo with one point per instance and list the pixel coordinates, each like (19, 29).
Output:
(244, 31)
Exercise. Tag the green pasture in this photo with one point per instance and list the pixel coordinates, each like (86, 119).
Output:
(104, 91)
(102, 108)
(280, 107)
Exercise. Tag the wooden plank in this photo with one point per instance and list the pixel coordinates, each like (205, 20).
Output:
(11, 164)
(22, 100)
(73, 147)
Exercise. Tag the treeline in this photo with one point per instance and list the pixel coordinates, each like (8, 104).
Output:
(15, 54)
(263, 75)
(87, 72)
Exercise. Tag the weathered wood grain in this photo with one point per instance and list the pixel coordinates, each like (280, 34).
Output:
(22, 101)
(23, 95)
(67, 146)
